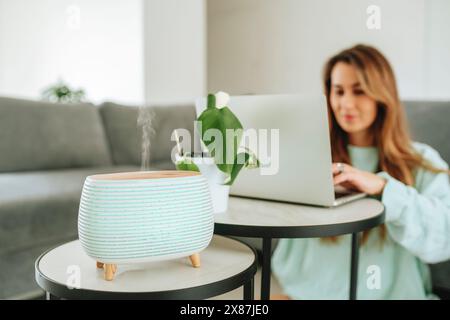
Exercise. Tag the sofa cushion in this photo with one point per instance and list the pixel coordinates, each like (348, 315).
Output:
(125, 135)
(167, 119)
(429, 123)
(41, 135)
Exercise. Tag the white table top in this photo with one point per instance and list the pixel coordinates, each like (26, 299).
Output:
(222, 259)
(245, 212)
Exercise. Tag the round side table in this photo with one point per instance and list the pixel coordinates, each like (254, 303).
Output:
(226, 264)
(269, 219)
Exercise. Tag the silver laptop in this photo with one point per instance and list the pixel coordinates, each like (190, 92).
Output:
(293, 147)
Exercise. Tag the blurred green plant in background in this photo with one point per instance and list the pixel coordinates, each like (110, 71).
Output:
(61, 92)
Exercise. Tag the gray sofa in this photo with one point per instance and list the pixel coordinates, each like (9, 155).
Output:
(47, 150)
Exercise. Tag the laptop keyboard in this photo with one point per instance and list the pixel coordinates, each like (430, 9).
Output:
(340, 194)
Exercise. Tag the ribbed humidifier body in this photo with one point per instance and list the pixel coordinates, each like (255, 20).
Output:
(145, 216)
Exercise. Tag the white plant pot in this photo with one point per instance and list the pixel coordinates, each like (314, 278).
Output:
(216, 182)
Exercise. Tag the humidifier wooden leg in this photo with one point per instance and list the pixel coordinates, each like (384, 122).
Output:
(109, 273)
(100, 265)
(195, 260)
(114, 268)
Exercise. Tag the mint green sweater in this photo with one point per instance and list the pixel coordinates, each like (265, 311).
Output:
(418, 225)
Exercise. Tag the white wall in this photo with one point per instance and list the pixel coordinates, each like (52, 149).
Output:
(437, 49)
(175, 50)
(41, 42)
(156, 50)
(280, 46)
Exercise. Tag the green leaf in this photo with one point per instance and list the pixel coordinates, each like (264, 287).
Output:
(222, 119)
(211, 101)
(184, 165)
(237, 167)
(253, 161)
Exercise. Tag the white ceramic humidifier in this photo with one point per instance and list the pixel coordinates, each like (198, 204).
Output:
(137, 217)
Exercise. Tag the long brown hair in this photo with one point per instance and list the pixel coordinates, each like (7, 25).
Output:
(391, 135)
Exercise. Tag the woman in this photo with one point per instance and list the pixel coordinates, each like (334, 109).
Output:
(373, 153)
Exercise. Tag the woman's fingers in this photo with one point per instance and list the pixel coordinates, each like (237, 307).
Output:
(335, 168)
(344, 177)
(339, 167)
(348, 180)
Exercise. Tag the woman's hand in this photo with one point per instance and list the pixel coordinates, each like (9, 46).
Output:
(352, 178)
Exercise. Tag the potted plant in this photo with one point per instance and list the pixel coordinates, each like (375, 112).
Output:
(62, 93)
(223, 157)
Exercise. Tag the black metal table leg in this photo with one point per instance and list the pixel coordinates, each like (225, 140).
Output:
(249, 293)
(265, 270)
(354, 266)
